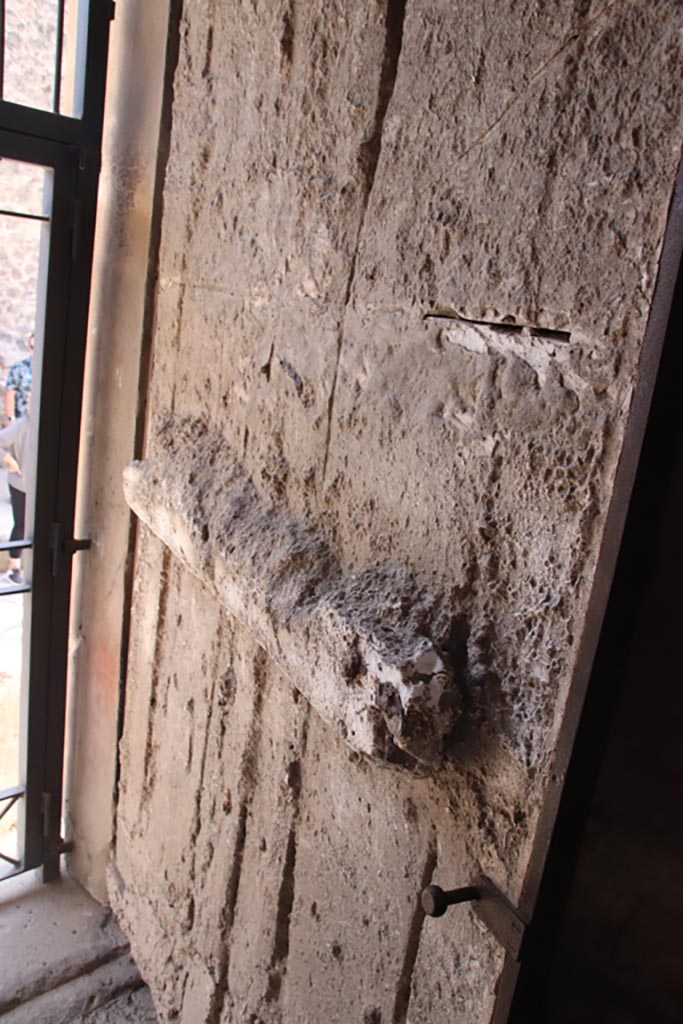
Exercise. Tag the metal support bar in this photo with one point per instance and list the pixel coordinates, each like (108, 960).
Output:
(24, 216)
(501, 917)
(490, 905)
(15, 588)
(73, 545)
(10, 804)
(10, 798)
(15, 545)
(7, 794)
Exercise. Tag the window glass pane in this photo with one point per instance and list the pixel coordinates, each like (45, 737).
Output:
(45, 43)
(21, 190)
(24, 246)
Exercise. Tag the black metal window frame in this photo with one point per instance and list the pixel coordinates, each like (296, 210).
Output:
(48, 125)
(71, 148)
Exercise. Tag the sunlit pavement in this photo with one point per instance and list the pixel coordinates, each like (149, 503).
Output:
(11, 617)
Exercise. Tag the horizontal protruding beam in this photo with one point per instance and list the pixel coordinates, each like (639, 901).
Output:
(355, 645)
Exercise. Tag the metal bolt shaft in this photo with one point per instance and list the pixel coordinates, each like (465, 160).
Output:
(436, 901)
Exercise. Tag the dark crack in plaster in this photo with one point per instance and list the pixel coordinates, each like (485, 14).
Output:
(402, 1001)
(246, 786)
(368, 159)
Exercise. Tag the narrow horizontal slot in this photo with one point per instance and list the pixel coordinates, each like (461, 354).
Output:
(502, 326)
(550, 335)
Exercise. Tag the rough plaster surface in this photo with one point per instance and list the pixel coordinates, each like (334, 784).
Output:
(259, 861)
(359, 648)
(348, 189)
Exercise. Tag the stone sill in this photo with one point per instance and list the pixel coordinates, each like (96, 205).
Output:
(63, 956)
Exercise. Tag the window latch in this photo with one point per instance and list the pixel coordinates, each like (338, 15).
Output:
(68, 546)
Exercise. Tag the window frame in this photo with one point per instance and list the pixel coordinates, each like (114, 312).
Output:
(71, 147)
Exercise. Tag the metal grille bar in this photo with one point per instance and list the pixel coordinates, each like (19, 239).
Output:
(10, 801)
(15, 545)
(12, 791)
(24, 216)
(15, 588)
(57, 91)
(10, 797)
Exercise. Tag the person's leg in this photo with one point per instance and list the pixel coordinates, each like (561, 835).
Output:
(18, 499)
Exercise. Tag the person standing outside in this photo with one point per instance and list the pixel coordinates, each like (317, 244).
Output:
(18, 385)
(14, 441)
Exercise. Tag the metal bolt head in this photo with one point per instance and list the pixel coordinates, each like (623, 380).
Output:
(434, 901)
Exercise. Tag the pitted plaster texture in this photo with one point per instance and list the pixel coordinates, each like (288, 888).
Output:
(360, 648)
(295, 861)
(349, 188)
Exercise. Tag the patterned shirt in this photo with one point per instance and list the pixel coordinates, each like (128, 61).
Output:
(19, 380)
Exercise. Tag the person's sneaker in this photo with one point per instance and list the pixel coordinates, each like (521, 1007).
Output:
(15, 577)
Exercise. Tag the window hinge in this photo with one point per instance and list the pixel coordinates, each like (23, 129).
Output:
(56, 544)
(62, 845)
(75, 226)
(45, 801)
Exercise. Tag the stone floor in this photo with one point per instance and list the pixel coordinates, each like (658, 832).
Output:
(131, 1008)
(63, 959)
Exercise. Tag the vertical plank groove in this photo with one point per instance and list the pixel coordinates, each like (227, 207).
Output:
(403, 989)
